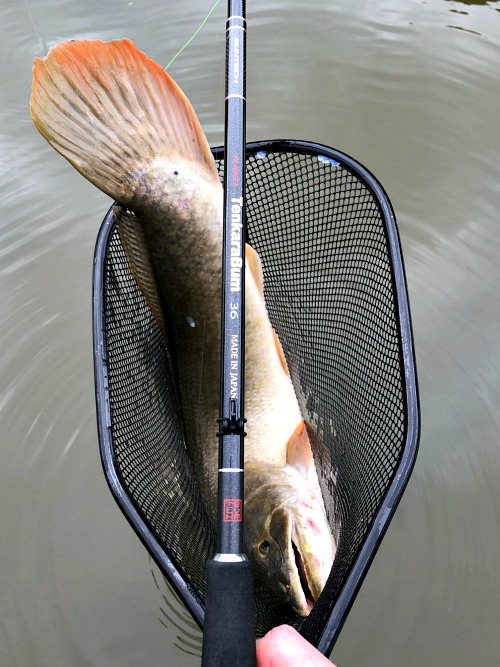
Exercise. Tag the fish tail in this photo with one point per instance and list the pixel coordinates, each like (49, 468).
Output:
(113, 113)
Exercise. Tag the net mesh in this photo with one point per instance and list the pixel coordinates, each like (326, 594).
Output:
(321, 236)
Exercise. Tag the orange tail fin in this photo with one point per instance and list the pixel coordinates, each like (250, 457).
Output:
(111, 111)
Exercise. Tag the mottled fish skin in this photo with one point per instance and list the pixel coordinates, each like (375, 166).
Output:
(129, 129)
(286, 535)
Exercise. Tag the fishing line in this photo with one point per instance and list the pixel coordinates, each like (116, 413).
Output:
(193, 35)
(30, 14)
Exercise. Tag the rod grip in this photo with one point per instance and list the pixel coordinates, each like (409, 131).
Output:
(229, 627)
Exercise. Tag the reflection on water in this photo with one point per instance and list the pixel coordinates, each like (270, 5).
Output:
(460, 11)
(417, 102)
(490, 4)
(473, 2)
(175, 616)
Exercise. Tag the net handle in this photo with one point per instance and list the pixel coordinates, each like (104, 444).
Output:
(229, 628)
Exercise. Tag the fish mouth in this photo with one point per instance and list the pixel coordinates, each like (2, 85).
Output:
(308, 597)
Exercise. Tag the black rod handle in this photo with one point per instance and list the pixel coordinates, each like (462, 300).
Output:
(229, 627)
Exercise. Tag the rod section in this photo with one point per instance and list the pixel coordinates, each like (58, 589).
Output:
(231, 418)
(229, 628)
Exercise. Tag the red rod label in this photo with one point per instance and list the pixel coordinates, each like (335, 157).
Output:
(232, 510)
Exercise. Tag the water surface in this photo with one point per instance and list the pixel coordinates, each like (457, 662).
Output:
(409, 88)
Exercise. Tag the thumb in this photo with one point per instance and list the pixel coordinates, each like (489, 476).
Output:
(284, 647)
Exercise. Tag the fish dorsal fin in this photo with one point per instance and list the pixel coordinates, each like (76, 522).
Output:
(112, 112)
(279, 350)
(255, 267)
(134, 244)
(299, 453)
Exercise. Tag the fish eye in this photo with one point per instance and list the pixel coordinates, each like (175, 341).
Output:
(176, 173)
(264, 547)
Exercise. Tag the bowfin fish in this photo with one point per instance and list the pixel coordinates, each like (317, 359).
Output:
(124, 124)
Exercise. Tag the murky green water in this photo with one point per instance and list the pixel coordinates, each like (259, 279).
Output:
(411, 89)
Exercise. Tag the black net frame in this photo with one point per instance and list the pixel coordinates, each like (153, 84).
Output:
(336, 294)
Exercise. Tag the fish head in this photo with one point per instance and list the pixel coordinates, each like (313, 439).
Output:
(287, 536)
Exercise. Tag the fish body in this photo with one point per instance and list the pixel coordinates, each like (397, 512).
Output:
(128, 128)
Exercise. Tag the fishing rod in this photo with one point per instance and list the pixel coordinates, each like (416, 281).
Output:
(229, 628)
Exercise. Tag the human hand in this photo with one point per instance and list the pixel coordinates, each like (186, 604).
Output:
(284, 647)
